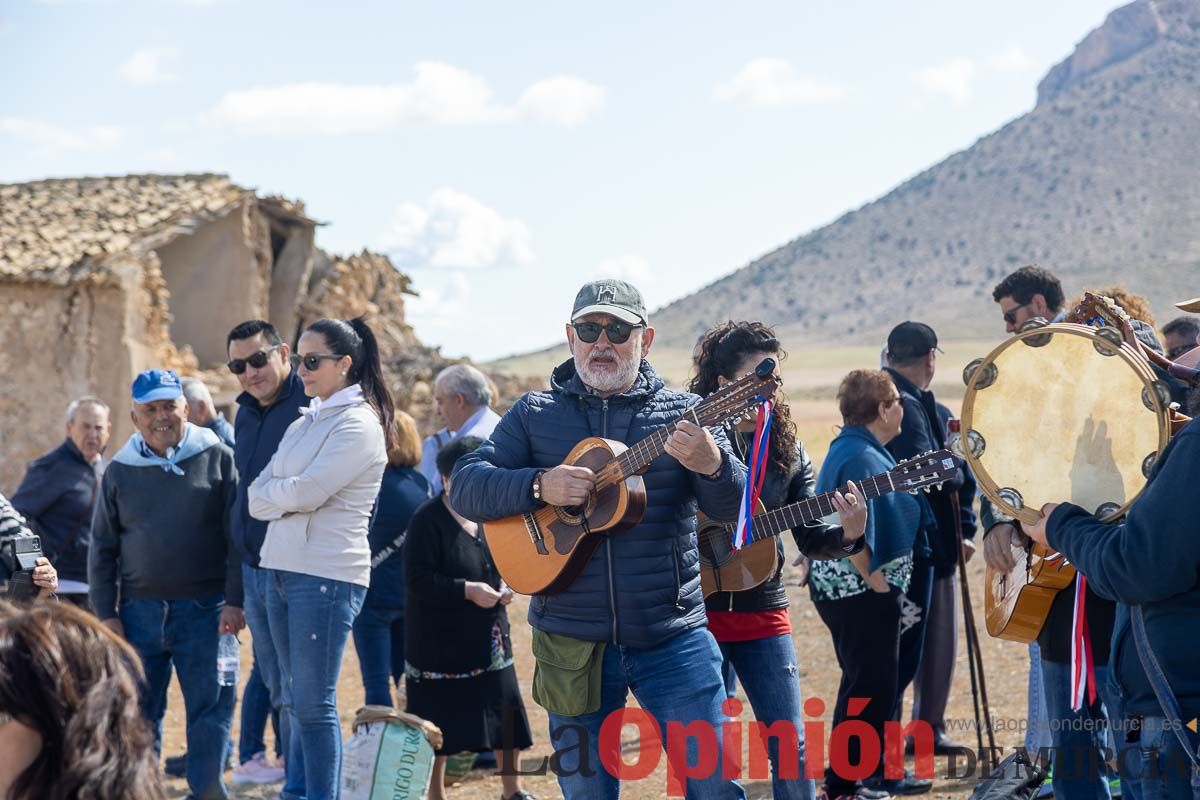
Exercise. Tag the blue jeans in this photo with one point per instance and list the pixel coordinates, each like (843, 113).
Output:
(771, 679)
(677, 681)
(310, 621)
(1037, 734)
(379, 640)
(266, 665)
(1157, 768)
(183, 634)
(256, 710)
(1081, 739)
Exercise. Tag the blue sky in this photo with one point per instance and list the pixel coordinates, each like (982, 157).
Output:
(503, 153)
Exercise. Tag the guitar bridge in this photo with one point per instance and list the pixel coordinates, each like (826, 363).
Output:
(535, 533)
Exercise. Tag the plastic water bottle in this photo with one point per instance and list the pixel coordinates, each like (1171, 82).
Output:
(227, 660)
(954, 440)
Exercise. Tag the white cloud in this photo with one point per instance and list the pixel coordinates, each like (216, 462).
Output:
(148, 66)
(439, 94)
(952, 79)
(563, 100)
(443, 300)
(454, 230)
(773, 82)
(1014, 59)
(634, 269)
(49, 137)
(631, 268)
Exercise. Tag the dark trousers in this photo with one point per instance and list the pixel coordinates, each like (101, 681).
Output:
(931, 687)
(914, 618)
(866, 639)
(379, 640)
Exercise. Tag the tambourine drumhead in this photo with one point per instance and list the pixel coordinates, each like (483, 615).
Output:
(1060, 413)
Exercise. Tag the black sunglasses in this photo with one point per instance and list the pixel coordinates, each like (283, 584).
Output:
(257, 360)
(618, 332)
(312, 361)
(1010, 316)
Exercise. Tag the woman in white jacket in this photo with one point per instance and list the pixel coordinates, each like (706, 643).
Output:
(317, 493)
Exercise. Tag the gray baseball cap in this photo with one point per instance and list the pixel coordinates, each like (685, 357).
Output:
(610, 296)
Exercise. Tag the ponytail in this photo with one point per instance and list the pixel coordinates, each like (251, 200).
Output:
(369, 370)
(356, 339)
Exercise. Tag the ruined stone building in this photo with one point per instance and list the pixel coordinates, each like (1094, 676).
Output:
(101, 278)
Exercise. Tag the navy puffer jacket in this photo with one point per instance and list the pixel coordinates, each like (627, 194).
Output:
(641, 587)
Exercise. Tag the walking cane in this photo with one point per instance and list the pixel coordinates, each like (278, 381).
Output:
(974, 653)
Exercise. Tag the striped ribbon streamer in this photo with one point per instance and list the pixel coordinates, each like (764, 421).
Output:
(1083, 667)
(756, 476)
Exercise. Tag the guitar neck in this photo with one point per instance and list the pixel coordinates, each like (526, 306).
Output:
(802, 512)
(639, 456)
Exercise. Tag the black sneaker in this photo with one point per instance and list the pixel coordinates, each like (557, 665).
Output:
(909, 784)
(176, 766)
(861, 793)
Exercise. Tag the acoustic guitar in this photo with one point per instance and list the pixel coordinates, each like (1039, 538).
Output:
(723, 569)
(543, 551)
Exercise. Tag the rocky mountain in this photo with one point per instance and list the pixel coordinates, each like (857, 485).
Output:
(1100, 183)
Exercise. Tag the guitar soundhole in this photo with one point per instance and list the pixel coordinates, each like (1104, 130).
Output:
(575, 515)
(714, 546)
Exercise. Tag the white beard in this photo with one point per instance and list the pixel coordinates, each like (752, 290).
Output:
(611, 377)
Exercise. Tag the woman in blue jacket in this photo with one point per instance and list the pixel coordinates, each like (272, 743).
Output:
(379, 627)
(859, 598)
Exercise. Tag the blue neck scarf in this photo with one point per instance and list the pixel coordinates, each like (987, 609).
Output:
(136, 453)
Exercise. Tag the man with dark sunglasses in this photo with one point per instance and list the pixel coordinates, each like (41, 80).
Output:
(634, 619)
(1181, 335)
(1078, 737)
(271, 401)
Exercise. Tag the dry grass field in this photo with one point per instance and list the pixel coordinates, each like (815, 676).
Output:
(810, 379)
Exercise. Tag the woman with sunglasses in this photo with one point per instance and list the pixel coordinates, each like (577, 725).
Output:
(752, 627)
(317, 493)
(859, 599)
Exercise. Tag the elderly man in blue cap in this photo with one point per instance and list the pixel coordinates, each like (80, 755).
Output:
(160, 540)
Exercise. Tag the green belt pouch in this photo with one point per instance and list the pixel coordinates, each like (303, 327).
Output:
(566, 680)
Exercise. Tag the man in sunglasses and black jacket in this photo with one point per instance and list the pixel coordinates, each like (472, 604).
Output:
(634, 618)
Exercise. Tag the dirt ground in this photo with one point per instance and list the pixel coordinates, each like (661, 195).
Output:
(810, 380)
(1005, 665)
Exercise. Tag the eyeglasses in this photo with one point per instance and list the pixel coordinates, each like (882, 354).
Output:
(257, 360)
(1010, 316)
(312, 361)
(617, 332)
(1176, 352)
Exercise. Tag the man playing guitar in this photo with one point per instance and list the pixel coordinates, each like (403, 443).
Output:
(635, 614)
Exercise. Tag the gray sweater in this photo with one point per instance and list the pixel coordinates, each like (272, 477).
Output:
(162, 536)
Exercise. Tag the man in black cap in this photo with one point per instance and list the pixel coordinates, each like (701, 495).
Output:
(634, 619)
(927, 646)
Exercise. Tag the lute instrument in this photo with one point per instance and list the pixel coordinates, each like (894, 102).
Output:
(724, 569)
(544, 550)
